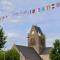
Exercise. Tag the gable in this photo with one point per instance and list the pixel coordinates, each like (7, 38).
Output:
(28, 52)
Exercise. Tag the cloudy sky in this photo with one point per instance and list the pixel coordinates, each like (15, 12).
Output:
(17, 26)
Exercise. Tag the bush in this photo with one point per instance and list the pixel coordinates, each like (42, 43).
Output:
(55, 51)
(9, 55)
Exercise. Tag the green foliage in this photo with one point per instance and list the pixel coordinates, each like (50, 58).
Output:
(12, 55)
(1, 55)
(55, 51)
(2, 38)
(9, 55)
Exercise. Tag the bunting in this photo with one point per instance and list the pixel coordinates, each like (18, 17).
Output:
(33, 11)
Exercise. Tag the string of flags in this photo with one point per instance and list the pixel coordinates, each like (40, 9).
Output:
(33, 11)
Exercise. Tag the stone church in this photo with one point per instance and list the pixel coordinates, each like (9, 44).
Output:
(36, 49)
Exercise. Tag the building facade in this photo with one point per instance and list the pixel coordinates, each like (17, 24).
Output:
(36, 49)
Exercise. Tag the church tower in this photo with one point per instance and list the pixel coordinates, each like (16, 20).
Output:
(36, 39)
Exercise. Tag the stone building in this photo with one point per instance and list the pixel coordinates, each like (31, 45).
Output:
(36, 49)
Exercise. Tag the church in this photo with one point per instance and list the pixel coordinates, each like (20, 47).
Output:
(36, 49)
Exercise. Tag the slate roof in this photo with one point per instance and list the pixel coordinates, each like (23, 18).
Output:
(46, 51)
(28, 52)
(37, 29)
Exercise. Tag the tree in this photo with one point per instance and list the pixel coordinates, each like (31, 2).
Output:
(2, 38)
(1, 55)
(12, 55)
(55, 51)
(9, 55)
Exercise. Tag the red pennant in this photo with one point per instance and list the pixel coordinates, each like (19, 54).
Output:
(33, 11)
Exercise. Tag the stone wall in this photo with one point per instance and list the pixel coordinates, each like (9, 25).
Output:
(45, 57)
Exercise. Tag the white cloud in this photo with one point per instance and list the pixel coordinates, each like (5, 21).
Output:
(11, 19)
(51, 40)
(11, 34)
(14, 38)
(6, 2)
(14, 35)
(7, 5)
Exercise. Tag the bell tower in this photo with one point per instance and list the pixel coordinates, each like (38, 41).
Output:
(36, 39)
